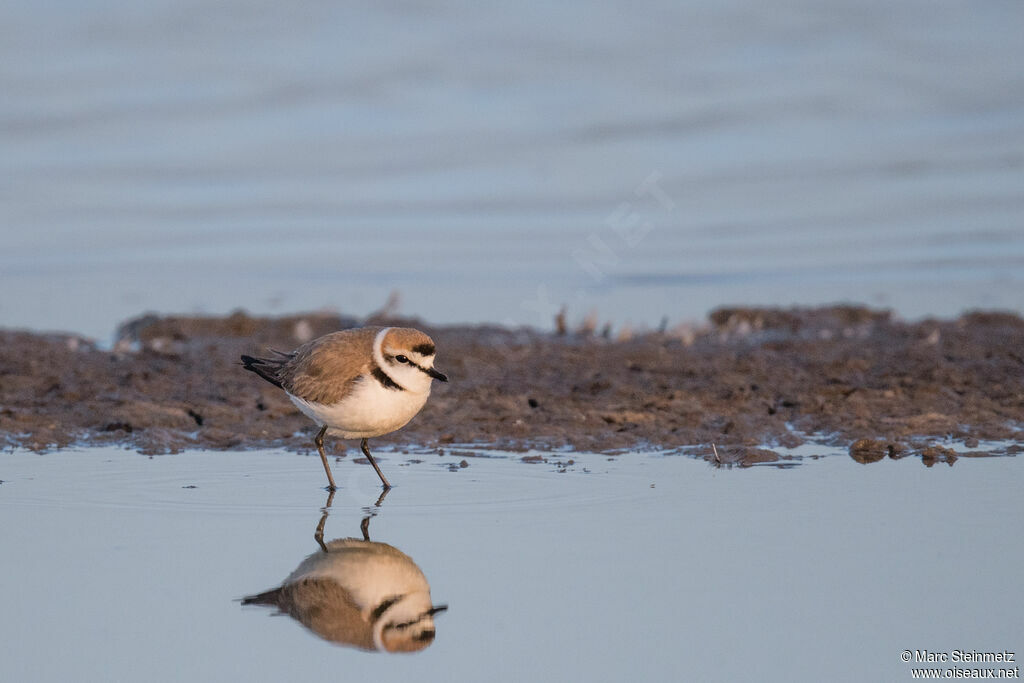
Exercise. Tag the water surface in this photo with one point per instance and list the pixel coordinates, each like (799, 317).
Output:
(645, 159)
(120, 567)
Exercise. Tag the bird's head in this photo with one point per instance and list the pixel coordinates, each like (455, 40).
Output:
(405, 628)
(408, 357)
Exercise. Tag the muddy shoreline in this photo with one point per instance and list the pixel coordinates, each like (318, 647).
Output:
(746, 380)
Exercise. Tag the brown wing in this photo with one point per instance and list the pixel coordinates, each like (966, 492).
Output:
(326, 369)
(324, 606)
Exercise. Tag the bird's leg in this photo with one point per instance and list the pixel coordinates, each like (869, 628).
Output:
(319, 535)
(370, 514)
(366, 451)
(319, 440)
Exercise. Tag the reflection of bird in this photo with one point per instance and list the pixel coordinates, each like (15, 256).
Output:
(356, 383)
(360, 593)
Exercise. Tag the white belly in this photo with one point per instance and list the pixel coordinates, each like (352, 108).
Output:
(370, 410)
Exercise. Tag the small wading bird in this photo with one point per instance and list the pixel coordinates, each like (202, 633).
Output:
(356, 383)
(359, 593)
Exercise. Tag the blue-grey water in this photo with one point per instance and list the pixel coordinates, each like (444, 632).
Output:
(121, 567)
(492, 163)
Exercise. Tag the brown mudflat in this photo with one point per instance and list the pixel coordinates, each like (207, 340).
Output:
(747, 380)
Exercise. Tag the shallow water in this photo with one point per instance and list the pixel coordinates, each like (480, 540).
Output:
(645, 159)
(117, 566)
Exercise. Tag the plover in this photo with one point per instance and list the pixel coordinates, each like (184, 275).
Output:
(359, 593)
(355, 384)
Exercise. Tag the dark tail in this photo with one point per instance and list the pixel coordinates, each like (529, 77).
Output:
(267, 368)
(271, 597)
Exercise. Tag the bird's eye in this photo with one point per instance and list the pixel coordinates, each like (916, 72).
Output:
(401, 359)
